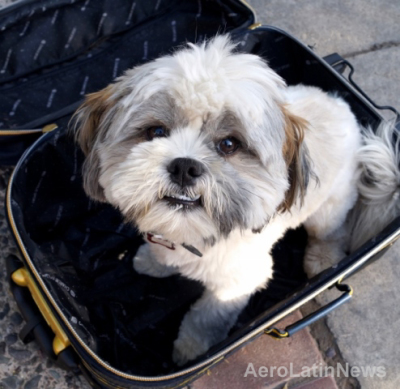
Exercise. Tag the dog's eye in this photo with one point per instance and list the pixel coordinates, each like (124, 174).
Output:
(228, 145)
(156, 132)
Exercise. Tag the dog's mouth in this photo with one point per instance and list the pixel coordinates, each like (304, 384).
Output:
(184, 200)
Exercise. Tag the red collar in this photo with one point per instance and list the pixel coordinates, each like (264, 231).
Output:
(158, 239)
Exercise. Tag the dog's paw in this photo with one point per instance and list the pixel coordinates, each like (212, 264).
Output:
(320, 255)
(314, 266)
(187, 348)
(144, 263)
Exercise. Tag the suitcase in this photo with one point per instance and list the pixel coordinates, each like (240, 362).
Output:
(74, 281)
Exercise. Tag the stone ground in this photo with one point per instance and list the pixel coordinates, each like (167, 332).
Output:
(364, 331)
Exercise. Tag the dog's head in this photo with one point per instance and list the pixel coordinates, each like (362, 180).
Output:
(194, 145)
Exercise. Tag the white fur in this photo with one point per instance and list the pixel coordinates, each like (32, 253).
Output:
(204, 82)
(379, 186)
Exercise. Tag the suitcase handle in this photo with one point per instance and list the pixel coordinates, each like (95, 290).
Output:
(312, 317)
(339, 64)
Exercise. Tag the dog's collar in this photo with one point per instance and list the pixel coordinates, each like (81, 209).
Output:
(158, 239)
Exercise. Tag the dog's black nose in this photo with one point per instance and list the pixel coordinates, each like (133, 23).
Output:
(184, 171)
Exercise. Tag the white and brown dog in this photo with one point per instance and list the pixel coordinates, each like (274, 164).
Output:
(213, 157)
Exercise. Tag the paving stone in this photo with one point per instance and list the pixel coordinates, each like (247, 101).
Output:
(16, 318)
(321, 383)
(10, 339)
(330, 353)
(11, 382)
(4, 360)
(365, 328)
(289, 355)
(33, 383)
(4, 311)
(342, 26)
(55, 374)
(379, 76)
(19, 355)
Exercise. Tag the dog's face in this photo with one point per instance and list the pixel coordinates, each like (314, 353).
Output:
(193, 145)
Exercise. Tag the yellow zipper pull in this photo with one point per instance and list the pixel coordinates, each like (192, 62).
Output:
(254, 26)
(49, 128)
(44, 130)
(22, 277)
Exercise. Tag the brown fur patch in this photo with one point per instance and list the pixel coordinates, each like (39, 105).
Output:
(88, 126)
(295, 128)
(89, 115)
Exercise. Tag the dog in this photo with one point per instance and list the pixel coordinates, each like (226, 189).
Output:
(213, 158)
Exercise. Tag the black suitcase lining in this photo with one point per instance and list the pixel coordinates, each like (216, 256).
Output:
(103, 51)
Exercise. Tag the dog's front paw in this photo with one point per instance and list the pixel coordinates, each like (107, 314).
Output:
(187, 348)
(320, 255)
(314, 266)
(144, 263)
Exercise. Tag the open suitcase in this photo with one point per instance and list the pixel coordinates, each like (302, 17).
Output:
(74, 283)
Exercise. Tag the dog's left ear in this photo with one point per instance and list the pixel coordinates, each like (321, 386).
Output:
(296, 157)
(89, 124)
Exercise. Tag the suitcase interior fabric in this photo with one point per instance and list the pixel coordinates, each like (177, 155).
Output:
(82, 250)
(53, 52)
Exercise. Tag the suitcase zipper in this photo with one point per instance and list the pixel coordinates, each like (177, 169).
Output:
(254, 26)
(251, 9)
(218, 356)
(48, 128)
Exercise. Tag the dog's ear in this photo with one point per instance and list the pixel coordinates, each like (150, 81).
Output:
(89, 125)
(296, 157)
(88, 117)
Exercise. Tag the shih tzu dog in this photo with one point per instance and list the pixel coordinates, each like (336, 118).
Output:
(213, 158)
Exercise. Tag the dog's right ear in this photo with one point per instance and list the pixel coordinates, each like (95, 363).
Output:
(89, 126)
(296, 158)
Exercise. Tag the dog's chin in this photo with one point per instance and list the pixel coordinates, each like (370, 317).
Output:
(179, 219)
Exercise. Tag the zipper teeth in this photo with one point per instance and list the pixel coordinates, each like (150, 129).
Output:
(250, 7)
(244, 339)
(19, 132)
